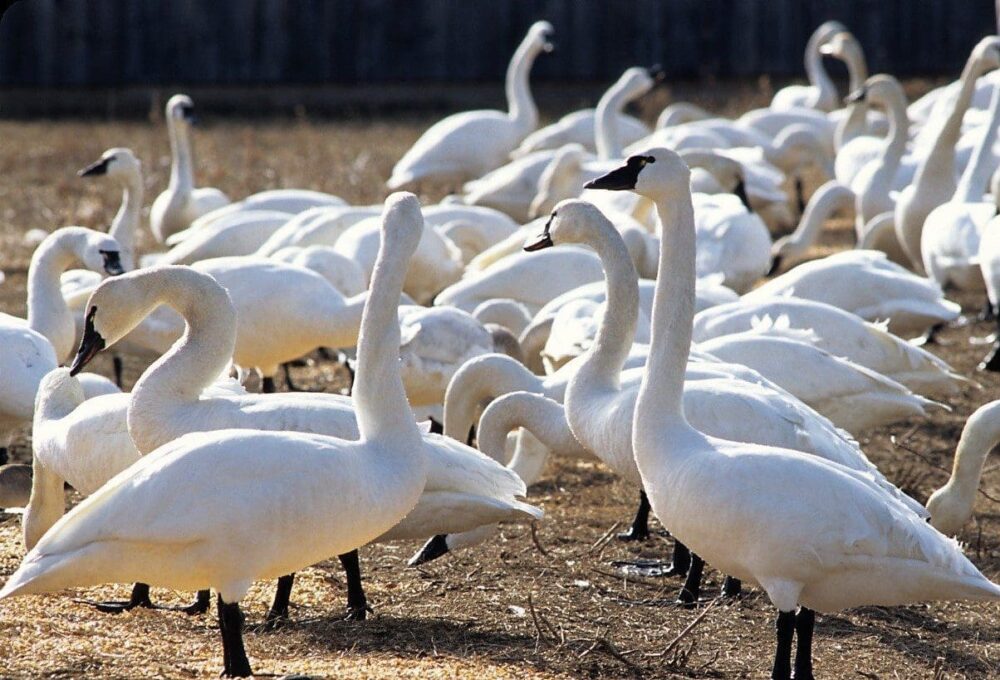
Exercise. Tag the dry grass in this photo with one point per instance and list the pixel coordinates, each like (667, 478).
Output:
(510, 609)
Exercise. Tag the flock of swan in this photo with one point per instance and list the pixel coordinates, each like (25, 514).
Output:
(596, 290)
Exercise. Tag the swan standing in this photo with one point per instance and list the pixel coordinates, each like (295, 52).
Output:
(472, 143)
(811, 533)
(181, 204)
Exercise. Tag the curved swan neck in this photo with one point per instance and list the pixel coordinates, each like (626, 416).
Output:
(520, 102)
(609, 108)
(899, 130)
(47, 310)
(980, 435)
(976, 177)
(480, 380)
(543, 418)
(46, 505)
(827, 198)
(195, 360)
(126, 222)
(380, 399)
(673, 313)
(817, 74)
(182, 165)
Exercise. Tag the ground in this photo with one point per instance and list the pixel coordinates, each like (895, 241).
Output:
(548, 605)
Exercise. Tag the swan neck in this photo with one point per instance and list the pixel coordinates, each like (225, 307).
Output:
(817, 73)
(820, 206)
(125, 225)
(46, 505)
(543, 418)
(379, 396)
(478, 381)
(857, 68)
(182, 165)
(979, 437)
(976, 177)
(520, 102)
(609, 109)
(205, 350)
(47, 310)
(673, 312)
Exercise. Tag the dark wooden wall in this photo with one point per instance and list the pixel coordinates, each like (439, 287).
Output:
(121, 43)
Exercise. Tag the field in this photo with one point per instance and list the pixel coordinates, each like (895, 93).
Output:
(544, 604)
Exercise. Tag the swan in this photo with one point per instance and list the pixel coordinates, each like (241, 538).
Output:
(867, 284)
(386, 467)
(475, 142)
(34, 346)
(839, 541)
(546, 422)
(820, 93)
(951, 505)
(582, 127)
(934, 182)
(504, 312)
(343, 273)
(121, 166)
(949, 240)
(830, 198)
(854, 119)
(288, 201)
(837, 332)
(512, 187)
(177, 207)
(316, 226)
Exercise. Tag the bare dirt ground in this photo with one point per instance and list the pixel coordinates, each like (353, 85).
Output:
(548, 607)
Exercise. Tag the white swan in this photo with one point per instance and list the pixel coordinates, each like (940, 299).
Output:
(472, 143)
(316, 226)
(241, 233)
(837, 332)
(386, 467)
(343, 273)
(866, 283)
(949, 240)
(951, 505)
(181, 203)
(820, 93)
(934, 182)
(825, 536)
(121, 166)
(288, 201)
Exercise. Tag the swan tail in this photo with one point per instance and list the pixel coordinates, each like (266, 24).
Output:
(45, 573)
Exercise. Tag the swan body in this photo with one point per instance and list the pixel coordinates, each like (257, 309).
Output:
(867, 284)
(579, 127)
(731, 241)
(343, 273)
(511, 187)
(181, 204)
(241, 233)
(288, 201)
(836, 332)
(316, 226)
(472, 143)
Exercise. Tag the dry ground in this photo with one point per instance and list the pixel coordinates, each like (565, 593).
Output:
(553, 607)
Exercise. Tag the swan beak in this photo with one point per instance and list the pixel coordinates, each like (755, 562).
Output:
(433, 549)
(621, 179)
(775, 265)
(91, 344)
(112, 262)
(189, 116)
(859, 95)
(543, 240)
(741, 193)
(657, 73)
(94, 169)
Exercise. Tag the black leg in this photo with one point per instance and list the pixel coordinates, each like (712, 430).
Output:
(732, 587)
(931, 336)
(472, 436)
(692, 584)
(117, 364)
(639, 531)
(357, 602)
(200, 605)
(236, 664)
(431, 550)
(682, 560)
(346, 363)
(800, 195)
(267, 385)
(988, 313)
(783, 651)
(277, 615)
(139, 598)
(3, 455)
(436, 427)
(805, 621)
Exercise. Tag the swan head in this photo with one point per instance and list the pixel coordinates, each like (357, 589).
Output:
(402, 221)
(840, 45)
(949, 511)
(540, 35)
(986, 53)
(639, 79)
(559, 179)
(572, 221)
(659, 174)
(100, 253)
(118, 163)
(180, 109)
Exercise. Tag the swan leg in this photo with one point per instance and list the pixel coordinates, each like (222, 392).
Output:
(732, 587)
(436, 427)
(199, 606)
(357, 601)
(639, 531)
(431, 550)
(930, 337)
(805, 621)
(118, 366)
(691, 590)
(267, 385)
(681, 563)
(800, 195)
(3, 455)
(785, 626)
(235, 662)
(138, 598)
(277, 615)
(346, 363)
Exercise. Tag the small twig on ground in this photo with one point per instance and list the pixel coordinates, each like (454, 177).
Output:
(680, 636)
(605, 539)
(534, 539)
(534, 617)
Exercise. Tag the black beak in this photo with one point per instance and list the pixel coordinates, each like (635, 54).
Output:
(189, 116)
(741, 193)
(90, 345)
(543, 240)
(657, 73)
(433, 549)
(94, 169)
(860, 94)
(775, 265)
(112, 262)
(622, 179)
